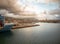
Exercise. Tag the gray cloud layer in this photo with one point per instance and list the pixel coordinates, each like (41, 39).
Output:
(53, 0)
(56, 11)
(15, 8)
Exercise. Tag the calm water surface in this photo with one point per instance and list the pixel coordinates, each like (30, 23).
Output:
(46, 33)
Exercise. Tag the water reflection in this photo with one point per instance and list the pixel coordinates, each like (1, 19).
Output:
(4, 36)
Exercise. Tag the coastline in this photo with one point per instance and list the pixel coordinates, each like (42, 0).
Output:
(25, 26)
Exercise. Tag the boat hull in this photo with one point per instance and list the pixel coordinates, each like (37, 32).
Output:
(6, 28)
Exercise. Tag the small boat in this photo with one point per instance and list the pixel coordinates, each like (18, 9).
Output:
(5, 26)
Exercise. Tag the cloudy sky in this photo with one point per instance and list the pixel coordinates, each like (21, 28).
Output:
(41, 6)
(51, 8)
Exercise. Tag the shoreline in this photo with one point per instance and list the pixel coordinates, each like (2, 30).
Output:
(25, 26)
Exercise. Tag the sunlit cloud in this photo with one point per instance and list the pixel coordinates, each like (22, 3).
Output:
(37, 6)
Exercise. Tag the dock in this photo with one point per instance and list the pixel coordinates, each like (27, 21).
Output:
(25, 26)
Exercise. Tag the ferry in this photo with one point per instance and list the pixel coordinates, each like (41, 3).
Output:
(5, 26)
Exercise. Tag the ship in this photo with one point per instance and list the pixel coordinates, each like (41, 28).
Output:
(5, 26)
(8, 23)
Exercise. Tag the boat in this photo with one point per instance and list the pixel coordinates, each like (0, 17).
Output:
(5, 26)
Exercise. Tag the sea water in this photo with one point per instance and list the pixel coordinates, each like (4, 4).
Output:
(46, 33)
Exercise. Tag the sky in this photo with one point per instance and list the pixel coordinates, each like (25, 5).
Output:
(41, 6)
(38, 6)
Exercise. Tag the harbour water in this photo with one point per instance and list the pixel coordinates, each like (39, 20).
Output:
(46, 33)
